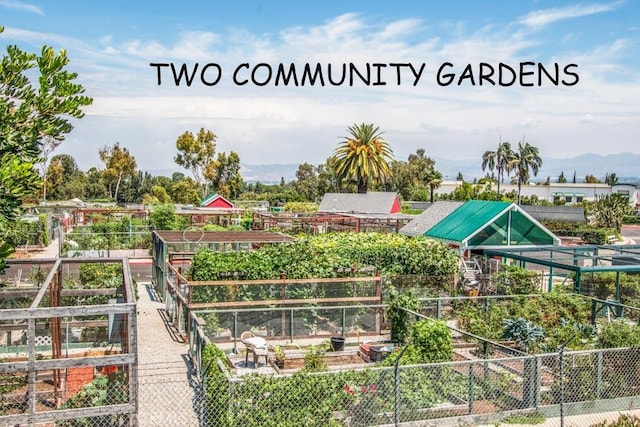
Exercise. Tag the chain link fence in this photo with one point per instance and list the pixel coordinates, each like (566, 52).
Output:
(168, 397)
(591, 387)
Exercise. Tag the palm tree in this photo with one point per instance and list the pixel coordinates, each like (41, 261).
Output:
(525, 160)
(500, 160)
(434, 180)
(363, 156)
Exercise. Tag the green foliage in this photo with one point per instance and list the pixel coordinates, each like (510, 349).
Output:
(398, 318)
(196, 154)
(619, 334)
(523, 332)
(321, 256)
(102, 391)
(596, 236)
(363, 156)
(94, 276)
(300, 207)
(529, 418)
(37, 99)
(556, 312)
(314, 360)
(100, 275)
(516, 280)
(610, 210)
(9, 383)
(588, 233)
(432, 341)
(163, 217)
(623, 420)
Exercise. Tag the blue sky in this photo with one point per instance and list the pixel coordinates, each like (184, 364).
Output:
(111, 45)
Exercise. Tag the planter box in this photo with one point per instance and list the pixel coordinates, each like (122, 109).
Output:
(379, 352)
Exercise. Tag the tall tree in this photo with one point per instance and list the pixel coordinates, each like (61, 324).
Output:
(611, 178)
(227, 180)
(525, 161)
(37, 98)
(500, 160)
(185, 191)
(65, 178)
(120, 164)
(561, 178)
(197, 154)
(433, 181)
(306, 183)
(609, 210)
(328, 179)
(591, 179)
(363, 156)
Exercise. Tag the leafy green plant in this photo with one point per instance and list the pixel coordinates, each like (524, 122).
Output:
(102, 391)
(623, 420)
(279, 355)
(531, 418)
(619, 334)
(432, 340)
(523, 332)
(314, 360)
(398, 318)
(512, 280)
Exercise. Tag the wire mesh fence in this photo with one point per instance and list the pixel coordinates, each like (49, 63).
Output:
(592, 387)
(167, 396)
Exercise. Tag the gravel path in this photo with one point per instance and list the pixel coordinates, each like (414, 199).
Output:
(165, 396)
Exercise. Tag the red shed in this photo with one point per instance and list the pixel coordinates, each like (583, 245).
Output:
(216, 201)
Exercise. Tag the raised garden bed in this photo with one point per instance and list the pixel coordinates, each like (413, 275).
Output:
(294, 359)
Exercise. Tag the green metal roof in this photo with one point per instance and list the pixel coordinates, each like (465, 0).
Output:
(466, 220)
(208, 199)
(480, 223)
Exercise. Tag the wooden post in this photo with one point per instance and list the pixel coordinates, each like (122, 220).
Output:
(283, 294)
(379, 296)
(56, 338)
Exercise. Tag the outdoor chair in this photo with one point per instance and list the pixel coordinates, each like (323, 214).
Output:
(255, 345)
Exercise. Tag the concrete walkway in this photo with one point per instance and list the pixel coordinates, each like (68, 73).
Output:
(164, 392)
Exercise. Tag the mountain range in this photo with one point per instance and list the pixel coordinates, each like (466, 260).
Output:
(626, 166)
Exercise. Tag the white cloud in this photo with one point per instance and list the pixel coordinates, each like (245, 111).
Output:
(433, 127)
(541, 18)
(288, 124)
(18, 5)
(587, 119)
(529, 123)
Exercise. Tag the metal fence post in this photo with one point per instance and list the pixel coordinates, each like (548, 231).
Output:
(396, 387)
(291, 326)
(471, 383)
(560, 357)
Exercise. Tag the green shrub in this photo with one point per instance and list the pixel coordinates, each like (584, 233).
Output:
(623, 420)
(517, 280)
(619, 334)
(398, 318)
(522, 332)
(596, 236)
(432, 340)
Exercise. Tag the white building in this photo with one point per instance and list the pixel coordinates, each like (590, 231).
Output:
(569, 192)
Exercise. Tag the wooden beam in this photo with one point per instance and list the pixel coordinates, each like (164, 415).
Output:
(47, 282)
(284, 281)
(65, 414)
(227, 304)
(83, 310)
(72, 362)
(65, 293)
(72, 324)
